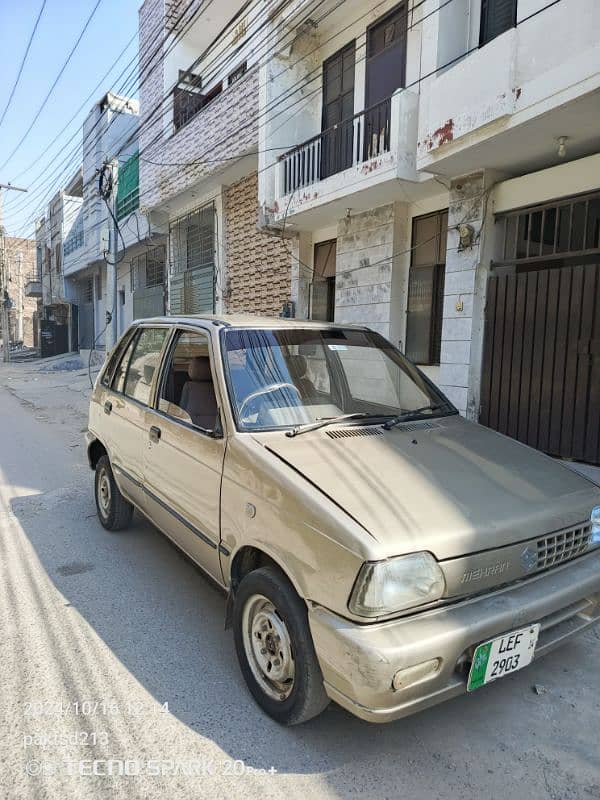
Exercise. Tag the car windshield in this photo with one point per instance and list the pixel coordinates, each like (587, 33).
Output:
(284, 378)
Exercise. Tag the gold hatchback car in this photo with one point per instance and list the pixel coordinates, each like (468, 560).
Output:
(376, 548)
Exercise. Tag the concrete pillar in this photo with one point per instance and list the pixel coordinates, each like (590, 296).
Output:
(371, 273)
(467, 267)
(301, 272)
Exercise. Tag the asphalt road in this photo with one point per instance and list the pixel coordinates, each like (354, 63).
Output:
(100, 633)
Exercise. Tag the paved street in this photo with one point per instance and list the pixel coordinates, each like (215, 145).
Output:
(99, 632)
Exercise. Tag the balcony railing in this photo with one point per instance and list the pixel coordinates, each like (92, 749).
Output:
(344, 145)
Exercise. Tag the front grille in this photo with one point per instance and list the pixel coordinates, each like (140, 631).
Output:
(345, 433)
(562, 546)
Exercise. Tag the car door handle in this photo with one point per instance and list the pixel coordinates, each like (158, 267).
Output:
(154, 433)
(107, 407)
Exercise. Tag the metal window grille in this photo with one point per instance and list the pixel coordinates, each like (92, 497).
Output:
(551, 232)
(73, 242)
(87, 291)
(148, 269)
(193, 262)
(193, 238)
(237, 73)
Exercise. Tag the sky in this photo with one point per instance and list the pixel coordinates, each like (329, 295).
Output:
(113, 25)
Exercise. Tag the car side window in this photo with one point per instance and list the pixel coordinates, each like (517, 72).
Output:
(109, 367)
(118, 381)
(142, 364)
(187, 390)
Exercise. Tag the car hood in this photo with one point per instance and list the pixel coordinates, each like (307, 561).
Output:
(446, 485)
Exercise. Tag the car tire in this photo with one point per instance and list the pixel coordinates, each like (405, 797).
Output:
(275, 648)
(114, 512)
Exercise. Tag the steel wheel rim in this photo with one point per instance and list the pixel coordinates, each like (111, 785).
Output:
(104, 492)
(268, 647)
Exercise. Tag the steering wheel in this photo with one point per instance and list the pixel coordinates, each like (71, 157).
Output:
(270, 389)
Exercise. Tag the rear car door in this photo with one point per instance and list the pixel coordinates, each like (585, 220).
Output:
(185, 449)
(125, 404)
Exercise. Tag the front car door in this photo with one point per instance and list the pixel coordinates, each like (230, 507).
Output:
(185, 448)
(125, 403)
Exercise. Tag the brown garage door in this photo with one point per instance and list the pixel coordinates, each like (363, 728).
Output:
(541, 360)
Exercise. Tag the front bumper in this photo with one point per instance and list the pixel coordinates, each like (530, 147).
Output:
(359, 661)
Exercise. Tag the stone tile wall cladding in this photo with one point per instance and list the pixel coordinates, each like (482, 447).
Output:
(258, 263)
(225, 128)
(367, 286)
(459, 369)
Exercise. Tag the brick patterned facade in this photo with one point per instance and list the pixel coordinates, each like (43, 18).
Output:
(258, 263)
(179, 12)
(226, 128)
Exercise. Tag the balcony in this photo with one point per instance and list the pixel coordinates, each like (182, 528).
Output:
(355, 163)
(33, 285)
(504, 105)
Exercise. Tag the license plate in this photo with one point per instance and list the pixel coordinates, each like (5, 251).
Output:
(501, 656)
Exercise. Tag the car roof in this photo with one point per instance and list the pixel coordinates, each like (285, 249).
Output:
(244, 321)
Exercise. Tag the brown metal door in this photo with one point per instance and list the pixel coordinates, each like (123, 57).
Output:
(541, 360)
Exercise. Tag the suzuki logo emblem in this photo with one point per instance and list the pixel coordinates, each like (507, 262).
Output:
(529, 559)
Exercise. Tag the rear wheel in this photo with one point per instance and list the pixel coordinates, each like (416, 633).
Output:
(275, 649)
(114, 512)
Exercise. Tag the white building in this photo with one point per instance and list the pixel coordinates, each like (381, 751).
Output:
(110, 132)
(439, 166)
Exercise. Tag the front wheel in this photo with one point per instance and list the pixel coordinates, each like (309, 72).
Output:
(275, 649)
(114, 512)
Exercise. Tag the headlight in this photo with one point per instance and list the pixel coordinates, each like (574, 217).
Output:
(383, 587)
(595, 520)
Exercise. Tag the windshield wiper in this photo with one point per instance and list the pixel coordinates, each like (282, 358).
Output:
(414, 414)
(321, 423)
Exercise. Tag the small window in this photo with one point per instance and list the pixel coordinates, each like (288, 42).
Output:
(497, 16)
(237, 73)
(122, 297)
(187, 392)
(426, 288)
(143, 364)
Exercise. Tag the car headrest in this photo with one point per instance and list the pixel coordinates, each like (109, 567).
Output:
(199, 369)
(297, 366)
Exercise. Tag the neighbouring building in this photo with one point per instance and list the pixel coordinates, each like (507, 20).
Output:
(110, 132)
(19, 280)
(438, 167)
(198, 156)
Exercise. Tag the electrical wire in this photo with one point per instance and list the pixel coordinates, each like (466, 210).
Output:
(56, 80)
(154, 53)
(195, 161)
(23, 60)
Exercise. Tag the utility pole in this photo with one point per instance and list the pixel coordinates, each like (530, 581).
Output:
(5, 301)
(111, 266)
